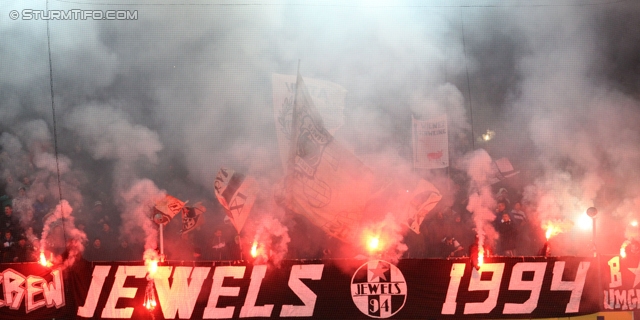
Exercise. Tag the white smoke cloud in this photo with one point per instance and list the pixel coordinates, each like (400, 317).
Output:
(272, 239)
(481, 202)
(137, 205)
(69, 240)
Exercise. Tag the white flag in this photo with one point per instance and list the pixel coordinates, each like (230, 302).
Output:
(430, 143)
(328, 98)
(325, 182)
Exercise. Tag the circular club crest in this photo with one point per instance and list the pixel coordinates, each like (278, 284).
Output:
(378, 289)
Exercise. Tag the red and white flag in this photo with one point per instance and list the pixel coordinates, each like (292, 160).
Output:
(166, 209)
(430, 143)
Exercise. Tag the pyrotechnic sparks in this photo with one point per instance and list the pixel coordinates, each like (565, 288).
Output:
(149, 296)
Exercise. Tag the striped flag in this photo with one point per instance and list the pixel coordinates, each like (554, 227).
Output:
(237, 194)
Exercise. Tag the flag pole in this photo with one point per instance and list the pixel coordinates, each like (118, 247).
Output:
(161, 243)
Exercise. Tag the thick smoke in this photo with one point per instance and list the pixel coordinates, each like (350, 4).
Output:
(271, 241)
(68, 241)
(137, 206)
(481, 201)
(159, 104)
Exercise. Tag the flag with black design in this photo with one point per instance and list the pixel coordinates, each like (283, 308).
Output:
(167, 208)
(192, 217)
(325, 182)
(237, 194)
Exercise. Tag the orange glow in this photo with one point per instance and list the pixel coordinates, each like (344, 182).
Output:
(254, 250)
(480, 257)
(152, 266)
(43, 260)
(634, 223)
(584, 222)
(374, 243)
(150, 296)
(623, 249)
(549, 232)
(150, 302)
(555, 227)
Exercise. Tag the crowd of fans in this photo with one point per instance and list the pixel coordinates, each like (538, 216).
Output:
(448, 231)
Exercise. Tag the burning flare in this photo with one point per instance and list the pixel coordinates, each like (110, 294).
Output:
(254, 250)
(480, 256)
(623, 249)
(152, 266)
(555, 227)
(374, 243)
(43, 260)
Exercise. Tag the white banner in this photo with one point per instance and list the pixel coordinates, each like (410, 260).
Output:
(430, 143)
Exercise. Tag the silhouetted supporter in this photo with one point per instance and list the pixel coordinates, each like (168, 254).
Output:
(23, 252)
(508, 236)
(8, 246)
(450, 248)
(95, 251)
(10, 222)
(517, 215)
(219, 248)
(125, 253)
